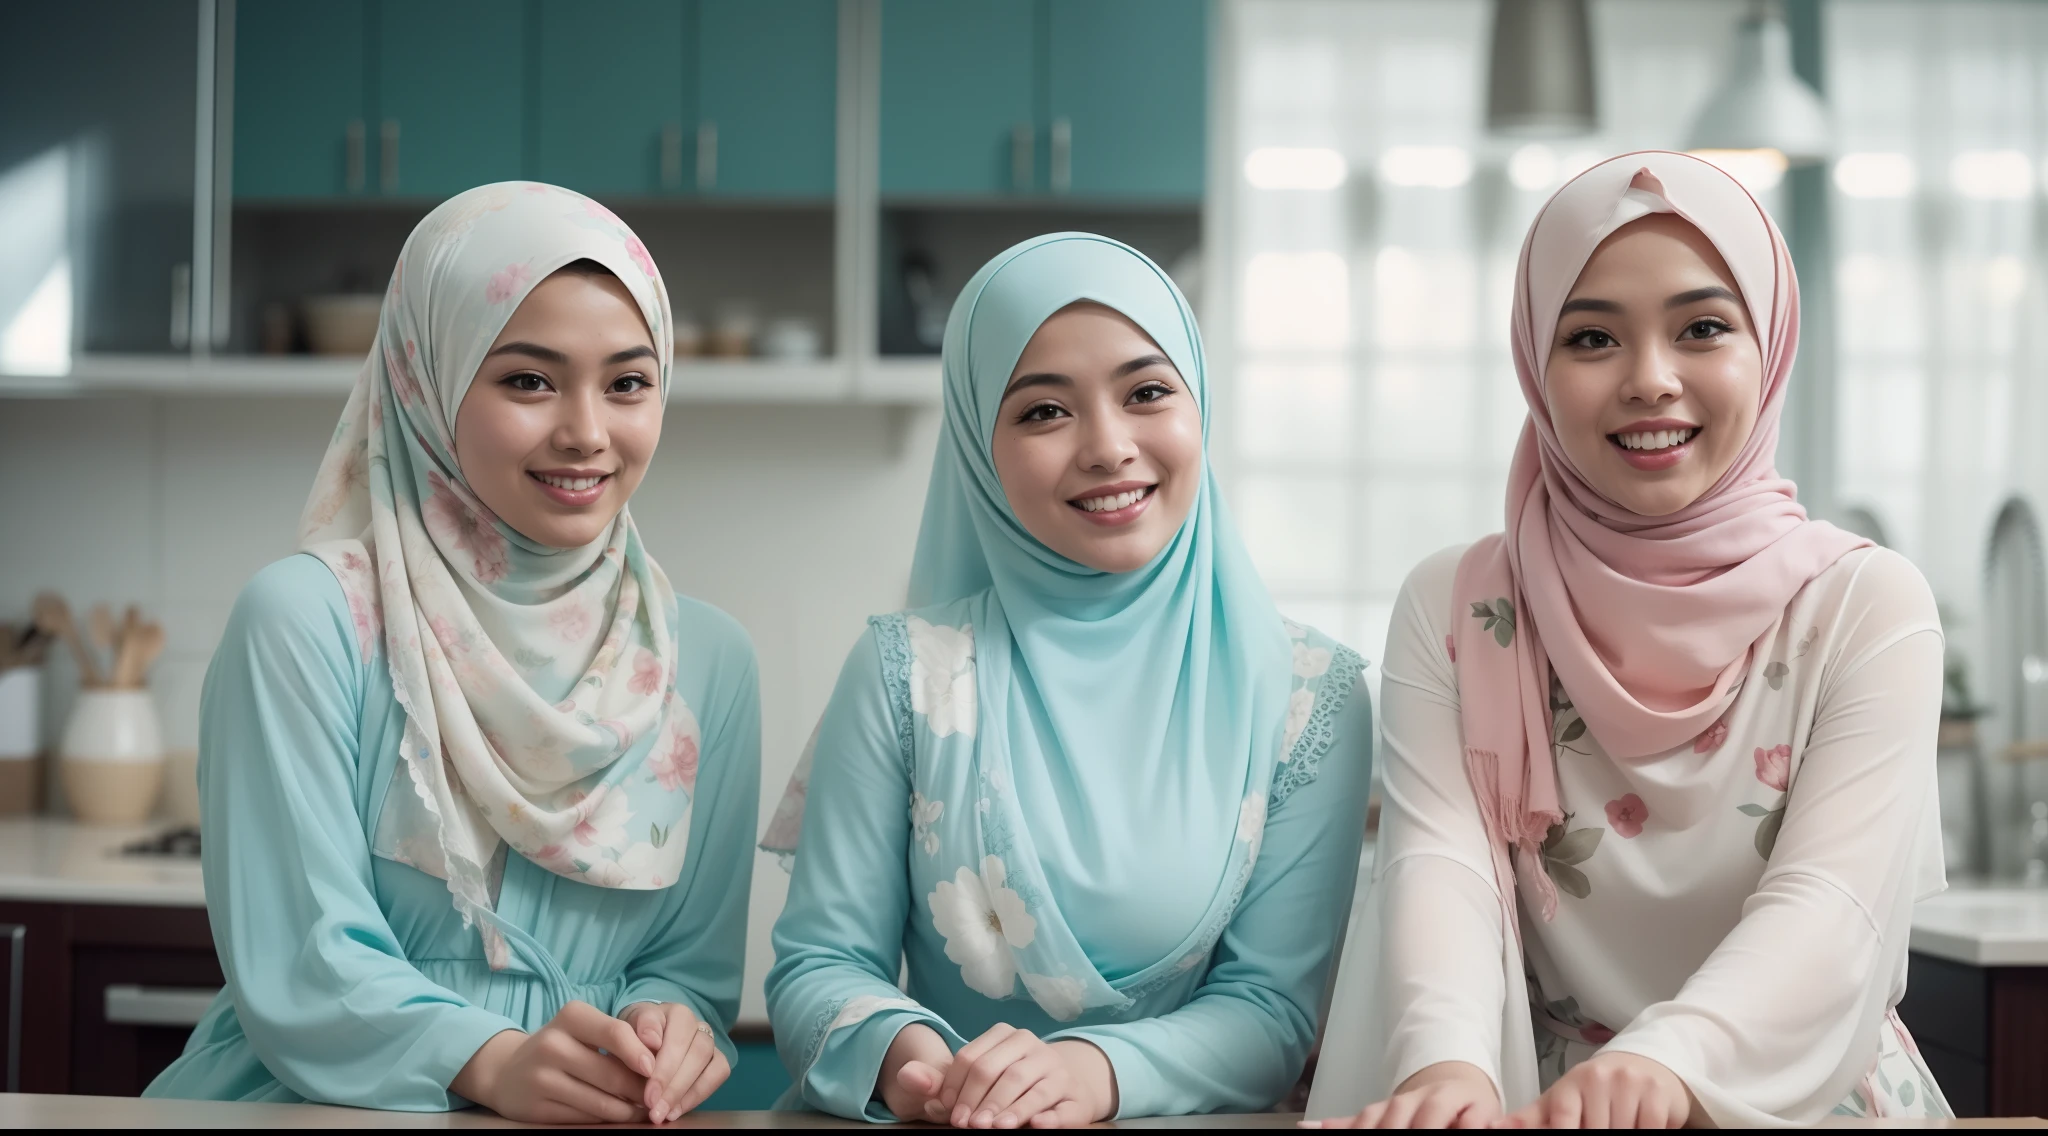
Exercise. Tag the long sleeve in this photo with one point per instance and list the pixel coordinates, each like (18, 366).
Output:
(832, 993)
(1239, 1042)
(319, 984)
(1423, 978)
(696, 954)
(1783, 1017)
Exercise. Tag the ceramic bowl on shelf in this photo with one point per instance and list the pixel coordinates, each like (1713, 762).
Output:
(791, 339)
(342, 323)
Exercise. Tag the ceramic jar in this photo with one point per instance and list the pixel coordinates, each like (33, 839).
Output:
(112, 758)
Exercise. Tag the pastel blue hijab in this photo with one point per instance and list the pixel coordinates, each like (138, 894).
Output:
(1145, 705)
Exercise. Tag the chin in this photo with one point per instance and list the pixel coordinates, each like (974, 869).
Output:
(1124, 554)
(1659, 504)
(559, 535)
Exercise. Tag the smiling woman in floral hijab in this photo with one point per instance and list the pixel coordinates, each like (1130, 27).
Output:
(478, 785)
(1134, 792)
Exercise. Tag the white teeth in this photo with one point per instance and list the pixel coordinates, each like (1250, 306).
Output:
(574, 484)
(1656, 439)
(1112, 504)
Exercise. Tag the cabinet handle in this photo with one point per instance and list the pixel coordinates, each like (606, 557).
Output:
(672, 156)
(181, 304)
(129, 1005)
(354, 159)
(16, 937)
(1021, 143)
(387, 158)
(707, 155)
(1062, 155)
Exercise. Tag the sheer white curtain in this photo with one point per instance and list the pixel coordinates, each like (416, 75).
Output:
(1370, 230)
(1940, 248)
(1942, 119)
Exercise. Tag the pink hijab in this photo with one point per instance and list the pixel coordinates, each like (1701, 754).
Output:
(1647, 622)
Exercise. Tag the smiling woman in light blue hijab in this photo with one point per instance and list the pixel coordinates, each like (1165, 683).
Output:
(1096, 794)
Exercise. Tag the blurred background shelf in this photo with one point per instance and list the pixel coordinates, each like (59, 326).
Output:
(737, 381)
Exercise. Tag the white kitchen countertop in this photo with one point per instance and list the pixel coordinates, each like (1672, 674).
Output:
(46, 860)
(1981, 924)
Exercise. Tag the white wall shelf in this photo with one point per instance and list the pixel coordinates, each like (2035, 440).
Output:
(750, 381)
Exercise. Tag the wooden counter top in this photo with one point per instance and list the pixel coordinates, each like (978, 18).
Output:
(26, 1110)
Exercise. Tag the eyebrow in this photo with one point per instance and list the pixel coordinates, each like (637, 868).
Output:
(550, 355)
(1588, 304)
(1711, 292)
(1054, 379)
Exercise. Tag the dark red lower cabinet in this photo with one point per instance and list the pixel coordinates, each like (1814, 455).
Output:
(108, 993)
(1983, 1031)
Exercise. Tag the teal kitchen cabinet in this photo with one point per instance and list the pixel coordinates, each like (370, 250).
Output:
(1125, 88)
(767, 102)
(615, 101)
(724, 98)
(959, 104)
(97, 143)
(1098, 99)
(397, 98)
(301, 112)
(450, 95)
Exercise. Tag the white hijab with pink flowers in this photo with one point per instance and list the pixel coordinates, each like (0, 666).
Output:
(537, 682)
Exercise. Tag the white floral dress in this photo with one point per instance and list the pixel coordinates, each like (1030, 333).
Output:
(1737, 909)
(1197, 968)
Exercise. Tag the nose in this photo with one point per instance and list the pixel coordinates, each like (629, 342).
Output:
(580, 425)
(1653, 378)
(1106, 443)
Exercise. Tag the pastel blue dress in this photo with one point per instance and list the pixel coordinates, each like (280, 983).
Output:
(1120, 807)
(351, 978)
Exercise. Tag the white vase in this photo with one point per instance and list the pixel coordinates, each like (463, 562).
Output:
(112, 756)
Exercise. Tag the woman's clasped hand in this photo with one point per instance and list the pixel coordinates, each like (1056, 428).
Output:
(656, 1061)
(1006, 1078)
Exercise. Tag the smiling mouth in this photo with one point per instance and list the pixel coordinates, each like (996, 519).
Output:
(1652, 441)
(572, 484)
(573, 492)
(1112, 510)
(1114, 502)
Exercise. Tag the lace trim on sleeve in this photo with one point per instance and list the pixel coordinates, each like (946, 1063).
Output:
(1331, 692)
(892, 639)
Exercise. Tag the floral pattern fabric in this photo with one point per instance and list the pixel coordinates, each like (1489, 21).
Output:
(980, 886)
(537, 683)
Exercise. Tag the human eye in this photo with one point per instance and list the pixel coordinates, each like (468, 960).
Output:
(1042, 412)
(1591, 339)
(631, 384)
(1705, 328)
(1155, 391)
(526, 382)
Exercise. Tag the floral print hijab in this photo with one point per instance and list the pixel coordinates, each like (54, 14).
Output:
(537, 682)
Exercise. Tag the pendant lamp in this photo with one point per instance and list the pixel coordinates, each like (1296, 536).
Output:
(1762, 116)
(1539, 77)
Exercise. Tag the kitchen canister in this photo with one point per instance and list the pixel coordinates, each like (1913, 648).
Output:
(21, 696)
(112, 756)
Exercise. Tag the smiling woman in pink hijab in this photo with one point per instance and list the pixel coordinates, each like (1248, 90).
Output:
(1659, 782)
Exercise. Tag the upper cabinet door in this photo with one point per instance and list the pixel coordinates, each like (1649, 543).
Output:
(767, 104)
(1126, 84)
(299, 99)
(614, 95)
(959, 95)
(450, 95)
(97, 138)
